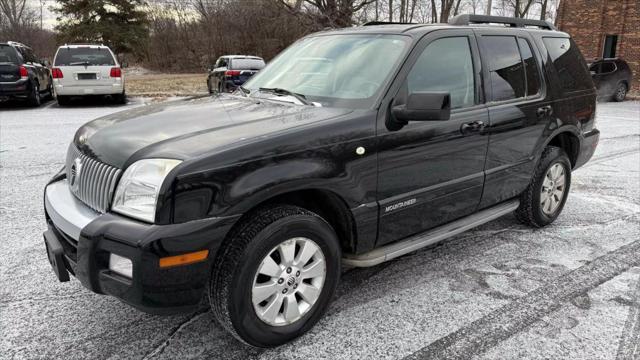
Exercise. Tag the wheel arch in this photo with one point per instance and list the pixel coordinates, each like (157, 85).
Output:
(568, 141)
(326, 203)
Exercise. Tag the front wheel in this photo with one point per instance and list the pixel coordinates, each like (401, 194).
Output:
(544, 198)
(275, 276)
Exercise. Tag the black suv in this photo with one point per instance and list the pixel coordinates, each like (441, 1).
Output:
(354, 146)
(612, 78)
(23, 75)
(231, 71)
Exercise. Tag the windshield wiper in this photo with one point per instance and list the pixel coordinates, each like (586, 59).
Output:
(280, 91)
(244, 90)
(85, 63)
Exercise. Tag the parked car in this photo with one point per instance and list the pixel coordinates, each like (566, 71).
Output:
(401, 136)
(231, 71)
(23, 75)
(612, 78)
(87, 70)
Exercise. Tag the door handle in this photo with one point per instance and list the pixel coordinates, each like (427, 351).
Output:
(473, 126)
(544, 111)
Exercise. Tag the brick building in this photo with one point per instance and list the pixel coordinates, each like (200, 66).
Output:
(604, 28)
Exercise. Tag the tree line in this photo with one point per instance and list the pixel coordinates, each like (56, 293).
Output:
(189, 35)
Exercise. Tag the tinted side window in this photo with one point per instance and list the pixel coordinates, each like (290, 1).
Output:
(569, 63)
(507, 75)
(445, 65)
(530, 67)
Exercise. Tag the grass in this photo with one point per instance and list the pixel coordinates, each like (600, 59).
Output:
(165, 85)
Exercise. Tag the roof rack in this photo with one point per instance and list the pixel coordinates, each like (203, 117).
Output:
(15, 43)
(466, 19)
(373, 23)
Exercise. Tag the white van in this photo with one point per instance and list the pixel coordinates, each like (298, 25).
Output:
(82, 70)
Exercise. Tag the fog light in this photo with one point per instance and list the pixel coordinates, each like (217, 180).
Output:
(121, 265)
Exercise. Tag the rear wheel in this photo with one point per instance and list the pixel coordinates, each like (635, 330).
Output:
(62, 100)
(120, 98)
(621, 92)
(275, 277)
(34, 98)
(544, 198)
(209, 86)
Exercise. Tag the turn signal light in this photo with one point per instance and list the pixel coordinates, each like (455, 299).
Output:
(184, 259)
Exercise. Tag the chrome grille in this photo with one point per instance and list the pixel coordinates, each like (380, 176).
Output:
(95, 182)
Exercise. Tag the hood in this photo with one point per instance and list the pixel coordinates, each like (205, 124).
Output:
(188, 128)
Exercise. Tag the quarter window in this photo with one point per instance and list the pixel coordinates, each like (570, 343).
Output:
(445, 65)
(507, 75)
(569, 63)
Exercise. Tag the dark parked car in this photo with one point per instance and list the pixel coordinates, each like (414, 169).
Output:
(612, 78)
(354, 146)
(231, 71)
(23, 76)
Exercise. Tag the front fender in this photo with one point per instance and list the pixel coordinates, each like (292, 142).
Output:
(236, 189)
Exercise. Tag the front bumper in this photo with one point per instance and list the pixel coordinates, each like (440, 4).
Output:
(80, 240)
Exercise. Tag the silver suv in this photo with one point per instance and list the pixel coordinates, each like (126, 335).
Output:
(83, 70)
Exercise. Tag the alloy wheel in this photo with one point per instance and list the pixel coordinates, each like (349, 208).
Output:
(621, 92)
(553, 189)
(289, 281)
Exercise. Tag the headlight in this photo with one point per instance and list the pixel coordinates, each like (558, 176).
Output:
(137, 192)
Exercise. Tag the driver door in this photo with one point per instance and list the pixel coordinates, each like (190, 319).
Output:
(432, 172)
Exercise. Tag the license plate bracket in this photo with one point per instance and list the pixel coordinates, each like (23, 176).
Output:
(56, 255)
(87, 76)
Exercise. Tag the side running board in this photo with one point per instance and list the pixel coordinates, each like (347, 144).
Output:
(415, 242)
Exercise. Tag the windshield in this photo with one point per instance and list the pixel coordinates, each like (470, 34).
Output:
(246, 64)
(334, 70)
(84, 57)
(8, 54)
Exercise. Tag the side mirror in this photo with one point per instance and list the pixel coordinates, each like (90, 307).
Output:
(45, 62)
(424, 106)
(124, 65)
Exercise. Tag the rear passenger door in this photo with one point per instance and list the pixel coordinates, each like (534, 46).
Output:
(519, 111)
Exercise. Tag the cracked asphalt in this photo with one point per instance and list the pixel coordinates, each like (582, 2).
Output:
(501, 291)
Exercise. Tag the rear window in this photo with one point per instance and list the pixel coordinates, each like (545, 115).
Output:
(8, 55)
(247, 64)
(569, 63)
(84, 56)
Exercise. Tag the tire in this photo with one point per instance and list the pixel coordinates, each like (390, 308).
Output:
(209, 86)
(62, 100)
(120, 98)
(621, 92)
(50, 90)
(236, 274)
(34, 98)
(534, 210)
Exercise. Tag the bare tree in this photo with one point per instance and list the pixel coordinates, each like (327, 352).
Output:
(13, 12)
(329, 13)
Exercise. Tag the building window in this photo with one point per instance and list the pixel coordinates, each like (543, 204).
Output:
(610, 44)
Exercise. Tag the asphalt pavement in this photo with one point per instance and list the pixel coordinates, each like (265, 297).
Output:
(502, 291)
